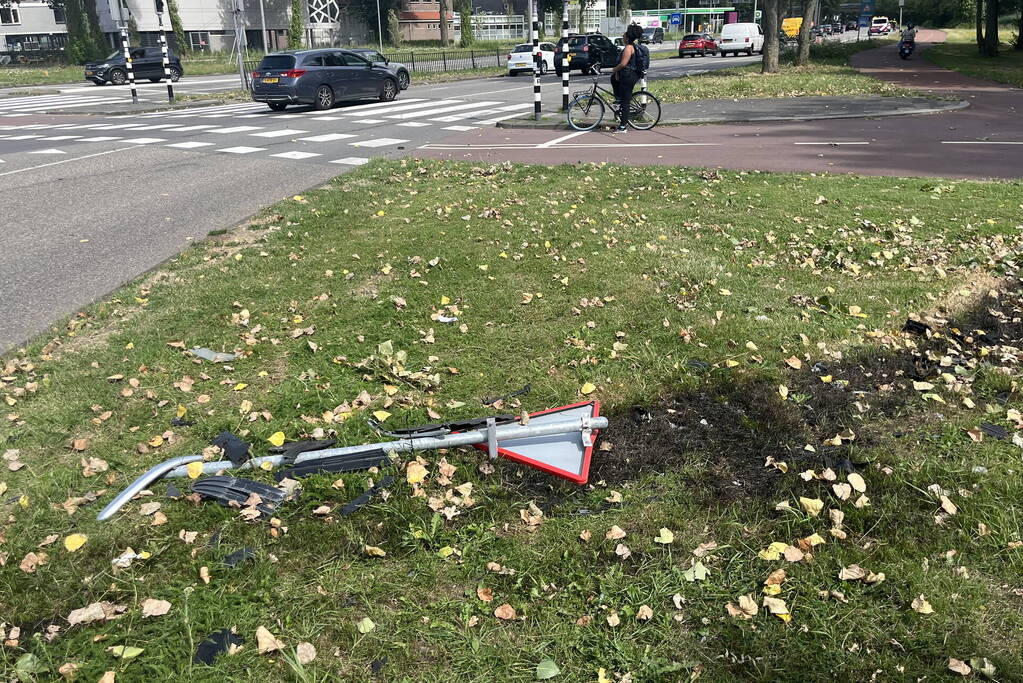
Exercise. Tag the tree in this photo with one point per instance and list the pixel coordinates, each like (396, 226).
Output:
(803, 51)
(771, 24)
(84, 42)
(444, 40)
(991, 29)
(133, 30)
(465, 23)
(296, 26)
(393, 28)
(179, 32)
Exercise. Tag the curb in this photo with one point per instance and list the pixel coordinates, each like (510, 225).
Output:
(559, 124)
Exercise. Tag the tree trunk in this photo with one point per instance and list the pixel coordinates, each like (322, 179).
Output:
(770, 50)
(803, 53)
(444, 23)
(991, 29)
(1019, 29)
(979, 4)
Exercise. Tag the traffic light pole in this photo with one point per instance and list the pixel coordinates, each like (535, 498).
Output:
(163, 49)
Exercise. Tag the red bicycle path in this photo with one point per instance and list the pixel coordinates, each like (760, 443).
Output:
(984, 140)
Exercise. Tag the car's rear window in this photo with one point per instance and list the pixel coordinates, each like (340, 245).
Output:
(692, 36)
(277, 62)
(576, 41)
(525, 47)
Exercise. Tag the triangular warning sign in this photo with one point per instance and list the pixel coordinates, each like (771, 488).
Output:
(564, 455)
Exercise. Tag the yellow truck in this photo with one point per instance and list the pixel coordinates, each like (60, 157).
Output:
(791, 26)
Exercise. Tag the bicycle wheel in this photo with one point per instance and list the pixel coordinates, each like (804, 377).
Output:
(644, 110)
(585, 112)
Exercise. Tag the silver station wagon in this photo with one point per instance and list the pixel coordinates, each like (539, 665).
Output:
(321, 78)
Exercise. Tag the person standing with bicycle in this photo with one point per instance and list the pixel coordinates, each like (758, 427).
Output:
(627, 72)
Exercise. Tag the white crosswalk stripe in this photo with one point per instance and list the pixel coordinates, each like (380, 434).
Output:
(278, 133)
(351, 161)
(242, 150)
(378, 142)
(296, 155)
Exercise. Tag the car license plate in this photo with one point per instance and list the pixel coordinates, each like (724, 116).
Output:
(88, 73)
(570, 57)
(271, 80)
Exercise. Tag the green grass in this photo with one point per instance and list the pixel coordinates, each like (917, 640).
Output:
(959, 53)
(828, 73)
(641, 272)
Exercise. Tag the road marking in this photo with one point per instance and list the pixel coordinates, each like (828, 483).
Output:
(157, 126)
(393, 107)
(351, 161)
(831, 144)
(460, 128)
(378, 142)
(415, 124)
(551, 143)
(65, 161)
(295, 155)
(101, 138)
(189, 145)
(369, 121)
(201, 127)
(145, 141)
(287, 132)
(242, 150)
(470, 147)
(24, 137)
(978, 142)
(233, 129)
(443, 110)
(325, 118)
(48, 151)
(61, 137)
(329, 137)
(359, 109)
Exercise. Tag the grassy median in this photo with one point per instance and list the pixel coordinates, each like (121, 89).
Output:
(828, 73)
(959, 53)
(791, 487)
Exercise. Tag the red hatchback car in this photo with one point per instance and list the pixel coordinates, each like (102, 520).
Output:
(697, 44)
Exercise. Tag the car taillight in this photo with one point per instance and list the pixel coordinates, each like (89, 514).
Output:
(509, 57)
(255, 74)
(586, 48)
(747, 39)
(293, 73)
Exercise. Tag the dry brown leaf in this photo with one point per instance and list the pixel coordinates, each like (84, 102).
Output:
(921, 605)
(613, 619)
(204, 574)
(305, 653)
(155, 608)
(485, 594)
(505, 612)
(746, 609)
(857, 482)
(853, 572)
(775, 578)
(622, 551)
(959, 666)
(644, 613)
(266, 642)
(32, 561)
(615, 533)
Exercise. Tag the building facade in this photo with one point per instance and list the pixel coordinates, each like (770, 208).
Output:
(209, 25)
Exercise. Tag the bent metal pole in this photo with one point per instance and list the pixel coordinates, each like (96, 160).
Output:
(178, 467)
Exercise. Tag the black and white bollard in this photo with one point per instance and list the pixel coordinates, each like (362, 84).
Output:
(537, 57)
(127, 63)
(163, 48)
(564, 55)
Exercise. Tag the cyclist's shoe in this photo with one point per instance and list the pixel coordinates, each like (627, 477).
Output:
(621, 129)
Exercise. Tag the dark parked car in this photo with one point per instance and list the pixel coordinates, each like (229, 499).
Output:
(146, 62)
(400, 70)
(652, 35)
(697, 44)
(321, 78)
(851, 26)
(586, 52)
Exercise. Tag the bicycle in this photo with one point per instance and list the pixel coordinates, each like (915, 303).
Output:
(587, 108)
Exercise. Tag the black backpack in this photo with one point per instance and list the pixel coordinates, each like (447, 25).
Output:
(640, 61)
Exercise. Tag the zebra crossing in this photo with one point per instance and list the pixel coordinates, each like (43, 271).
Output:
(347, 135)
(33, 104)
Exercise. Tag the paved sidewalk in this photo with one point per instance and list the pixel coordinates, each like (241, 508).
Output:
(771, 109)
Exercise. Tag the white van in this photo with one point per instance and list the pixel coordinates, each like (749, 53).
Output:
(736, 38)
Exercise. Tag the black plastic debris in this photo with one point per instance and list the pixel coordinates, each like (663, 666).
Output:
(916, 327)
(213, 356)
(697, 364)
(364, 499)
(289, 451)
(377, 665)
(173, 492)
(214, 645)
(181, 422)
(640, 415)
(349, 462)
(229, 490)
(239, 556)
(524, 391)
(236, 450)
(994, 431)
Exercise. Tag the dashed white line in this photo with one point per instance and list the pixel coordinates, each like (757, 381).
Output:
(242, 150)
(351, 161)
(145, 141)
(378, 142)
(329, 137)
(295, 155)
(287, 132)
(191, 144)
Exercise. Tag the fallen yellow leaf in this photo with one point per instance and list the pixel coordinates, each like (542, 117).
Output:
(277, 438)
(75, 541)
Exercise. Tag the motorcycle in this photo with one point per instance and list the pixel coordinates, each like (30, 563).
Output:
(906, 47)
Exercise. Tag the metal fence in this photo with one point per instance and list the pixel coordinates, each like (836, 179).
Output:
(434, 61)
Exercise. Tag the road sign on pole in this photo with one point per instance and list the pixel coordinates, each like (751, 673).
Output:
(676, 19)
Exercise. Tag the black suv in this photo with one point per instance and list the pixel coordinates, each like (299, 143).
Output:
(586, 52)
(146, 62)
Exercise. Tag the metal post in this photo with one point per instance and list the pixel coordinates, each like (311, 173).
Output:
(127, 62)
(536, 62)
(380, 28)
(262, 25)
(754, 11)
(564, 55)
(238, 44)
(163, 49)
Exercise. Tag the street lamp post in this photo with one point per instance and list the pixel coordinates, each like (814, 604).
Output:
(262, 24)
(380, 30)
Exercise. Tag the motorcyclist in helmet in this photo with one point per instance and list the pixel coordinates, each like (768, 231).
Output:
(909, 33)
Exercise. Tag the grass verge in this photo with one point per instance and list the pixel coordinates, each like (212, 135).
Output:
(827, 74)
(696, 295)
(959, 53)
